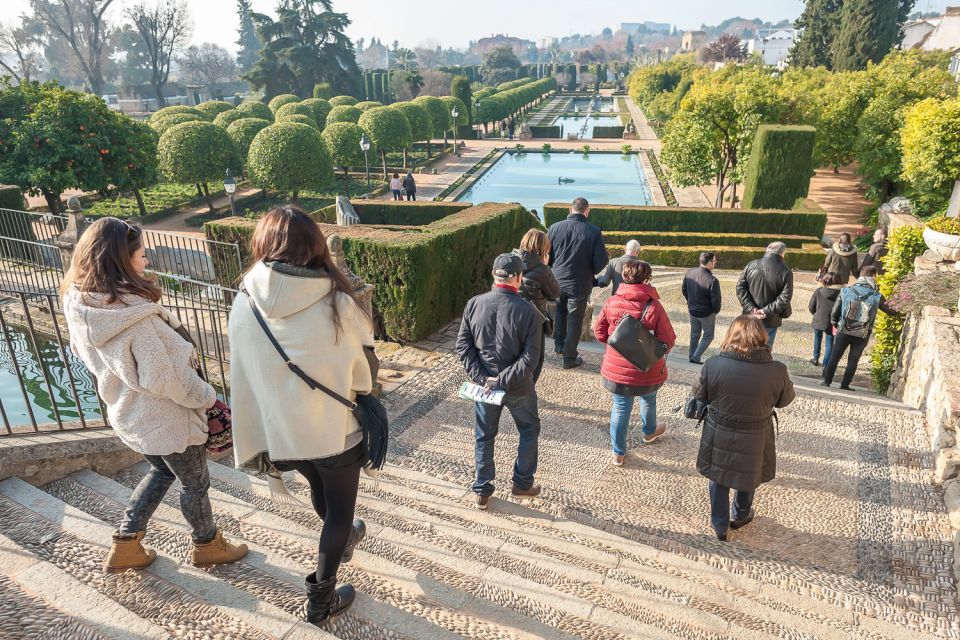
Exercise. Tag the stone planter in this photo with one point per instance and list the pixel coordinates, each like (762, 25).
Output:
(945, 245)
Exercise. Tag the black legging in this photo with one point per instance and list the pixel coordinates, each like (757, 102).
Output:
(333, 489)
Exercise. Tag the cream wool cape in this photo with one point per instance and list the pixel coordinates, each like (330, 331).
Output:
(145, 371)
(274, 411)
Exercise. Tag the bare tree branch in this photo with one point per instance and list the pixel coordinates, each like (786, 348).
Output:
(163, 28)
(83, 26)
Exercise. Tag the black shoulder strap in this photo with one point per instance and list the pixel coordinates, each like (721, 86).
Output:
(313, 384)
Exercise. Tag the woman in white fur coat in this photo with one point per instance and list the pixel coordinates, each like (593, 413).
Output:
(146, 374)
(307, 304)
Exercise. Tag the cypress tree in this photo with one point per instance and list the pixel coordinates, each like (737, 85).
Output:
(869, 29)
(460, 88)
(248, 44)
(819, 22)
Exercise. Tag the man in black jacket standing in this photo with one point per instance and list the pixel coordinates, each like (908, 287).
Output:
(499, 345)
(701, 290)
(765, 289)
(577, 254)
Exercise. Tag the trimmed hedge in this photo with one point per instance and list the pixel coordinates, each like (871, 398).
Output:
(423, 276)
(780, 167)
(807, 259)
(397, 213)
(623, 218)
(704, 241)
(611, 132)
(541, 131)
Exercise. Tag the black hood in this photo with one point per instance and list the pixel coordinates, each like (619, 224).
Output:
(530, 260)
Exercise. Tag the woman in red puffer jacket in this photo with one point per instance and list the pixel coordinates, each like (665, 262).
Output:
(638, 298)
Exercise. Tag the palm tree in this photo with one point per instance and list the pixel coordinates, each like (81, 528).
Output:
(726, 47)
(415, 82)
(404, 58)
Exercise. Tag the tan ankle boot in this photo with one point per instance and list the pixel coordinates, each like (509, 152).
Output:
(128, 553)
(217, 551)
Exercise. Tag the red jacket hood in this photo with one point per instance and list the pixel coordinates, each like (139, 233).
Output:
(637, 292)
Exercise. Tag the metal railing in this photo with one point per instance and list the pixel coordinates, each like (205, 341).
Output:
(31, 225)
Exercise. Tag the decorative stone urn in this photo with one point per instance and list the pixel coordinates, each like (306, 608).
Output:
(945, 245)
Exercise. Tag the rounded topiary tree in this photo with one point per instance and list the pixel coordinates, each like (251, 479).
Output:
(338, 101)
(161, 124)
(177, 108)
(212, 108)
(343, 113)
(255, 109)
(321, 108)
(463, 118)
(421, 126)
(227, 117)
(298, 117)
(439, 116)
(292, 108)
(343, 145)
(278, 101)
(289, 157)
(196, 152)
(366, 105)
(243, 131)
(389, 130)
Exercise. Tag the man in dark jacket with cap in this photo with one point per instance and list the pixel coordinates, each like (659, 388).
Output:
(499, 345)
(577, 255)
(765, 289)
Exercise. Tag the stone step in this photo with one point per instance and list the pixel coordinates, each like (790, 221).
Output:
(39, 600)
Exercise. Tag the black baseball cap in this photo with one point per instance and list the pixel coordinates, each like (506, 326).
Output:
(507, 265)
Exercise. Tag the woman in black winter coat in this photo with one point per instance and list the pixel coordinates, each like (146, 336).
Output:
(820, 305)
(742, 386)
(538, 284)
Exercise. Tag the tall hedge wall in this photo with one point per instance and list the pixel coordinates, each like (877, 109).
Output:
(396, 213)
(780, 167)
(623, 218)
(703, 240)
(808, 258)
(544, 131)
(425, 276)
(610, 132)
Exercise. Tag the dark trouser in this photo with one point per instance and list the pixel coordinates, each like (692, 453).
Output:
(543, 348)
(525, 415)
(411, 195)
(190, 468)
(333, 489)
(701, 334)
(396, 194)
(840, 343)
(720, 506)
(569, 324)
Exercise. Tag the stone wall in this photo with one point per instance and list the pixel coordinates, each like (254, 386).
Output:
(43, 457)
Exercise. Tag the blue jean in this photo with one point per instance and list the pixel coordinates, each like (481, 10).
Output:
(771, 336)
(720, 506)
(620, 419)
(818, 335)
(525, 415)
(702, 331)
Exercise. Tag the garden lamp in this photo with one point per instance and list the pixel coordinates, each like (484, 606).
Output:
(455, 113)
(365, 147)
(230, 188)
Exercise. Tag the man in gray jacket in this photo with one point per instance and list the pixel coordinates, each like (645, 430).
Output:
(614, 271)
(499, 345)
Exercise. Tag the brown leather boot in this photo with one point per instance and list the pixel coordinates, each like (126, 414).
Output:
(217, 551)
(128, 553)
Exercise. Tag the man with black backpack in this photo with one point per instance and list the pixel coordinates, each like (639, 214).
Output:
(853, 315)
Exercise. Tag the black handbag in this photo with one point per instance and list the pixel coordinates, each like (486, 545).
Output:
(695, 409)
(368, 410)
(635, 343)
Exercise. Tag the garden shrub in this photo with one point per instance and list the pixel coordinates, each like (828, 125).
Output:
(343, 146)
(323, 90)
(343, 113)
(398, 213)
(299, 119)
(338, 101)
(388, 129)
(421, 126)
(366, 105)
(289, 157)
(611, 132)
(212, 108)
(292, 108)
(160, 125)
(255, 109)
(541, 131)
(904, 246)
(243, 131)
(320, 108)
(227, 118)
(177, 108)
(437, 110)
(704, 240)
(278, 101)
(462, 115)
(729, 257)
(196, 152)
(780, 167)
(423, 276)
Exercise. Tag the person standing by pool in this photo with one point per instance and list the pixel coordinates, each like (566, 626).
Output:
(410, 186)
(577, 254)
(395, 185)
(701, 290)
(614, 271)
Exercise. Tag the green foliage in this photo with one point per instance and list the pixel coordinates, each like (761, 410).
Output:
(177, 108)
(226, 118)
(586, 149)
(820, 22)
(931, 152)
(608, 132)
(905, 245)
(255, 109)
(540, 131)
(298, 118)
(323, 90)
(132, 161)
(421, 126)
(343, 144)
(500, 65)
(460, 88)
(284, 98)
(321, 108)
(943, 224)
(160, 125)
(496, 105)
(343, 113)
(705, 240)
(385, 212)
(450, 102)
(16, 225)
(869, 29)
(546, 147)
(289, 157)
(366, 105)
(243, 131)
(388, 128)
(780, 167)
(688, 219)
(212, 108)
(11, 197)
(658, 89)
(343, 100)
(437, 110)
(731, 257)
(626, 149)
(294, 108)
(196, 152)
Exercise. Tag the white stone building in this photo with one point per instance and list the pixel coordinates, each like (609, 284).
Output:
(773, 46)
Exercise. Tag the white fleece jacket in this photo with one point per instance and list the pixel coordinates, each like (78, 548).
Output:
(145, 371)
(273, 410)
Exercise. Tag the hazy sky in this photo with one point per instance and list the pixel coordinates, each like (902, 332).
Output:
(455, 22)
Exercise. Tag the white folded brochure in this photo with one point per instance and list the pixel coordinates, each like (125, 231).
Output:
(475, 392)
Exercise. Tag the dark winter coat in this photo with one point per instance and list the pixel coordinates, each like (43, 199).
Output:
(577, 254)
(842, 260)
(767, 284)
(630, 299)
(614, 273)
(873, 258)
(820, 305)
(738, 444)
(701, 290)
(409, 184)
(500, 338)
(538, 284)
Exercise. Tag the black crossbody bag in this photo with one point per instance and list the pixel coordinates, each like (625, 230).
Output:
(368, 410)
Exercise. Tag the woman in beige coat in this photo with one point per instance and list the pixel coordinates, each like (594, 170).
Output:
(307, 304)
(146, 375)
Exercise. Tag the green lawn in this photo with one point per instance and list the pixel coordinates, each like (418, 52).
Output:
(161, 197)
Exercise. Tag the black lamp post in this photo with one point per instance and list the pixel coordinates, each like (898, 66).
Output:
(455, 113)
(365, 147)
(230, 188)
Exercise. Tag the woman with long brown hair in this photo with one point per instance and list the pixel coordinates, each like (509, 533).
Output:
(538, 284)
(146, 375)
(307, 304)
(741, 386)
